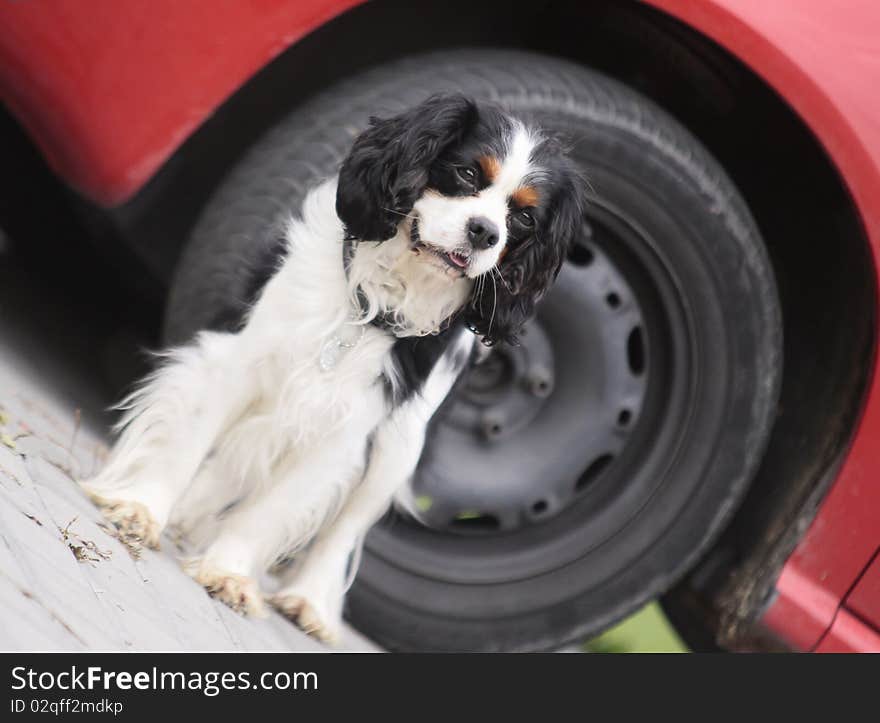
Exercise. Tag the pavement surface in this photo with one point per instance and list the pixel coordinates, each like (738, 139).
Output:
(66, 583)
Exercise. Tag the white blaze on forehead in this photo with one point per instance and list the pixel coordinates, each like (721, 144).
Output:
(516, 166)
(443, 220)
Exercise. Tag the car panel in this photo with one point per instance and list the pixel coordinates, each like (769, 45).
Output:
(130, 81)
(864, 600)
(802, 610)
(848, 634)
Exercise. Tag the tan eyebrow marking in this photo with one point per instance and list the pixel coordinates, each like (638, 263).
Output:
(491, 167)
(526, 196)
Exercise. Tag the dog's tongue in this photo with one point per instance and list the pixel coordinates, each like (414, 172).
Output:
(458, 260)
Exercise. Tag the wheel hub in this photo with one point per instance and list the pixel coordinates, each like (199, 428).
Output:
(502, 394)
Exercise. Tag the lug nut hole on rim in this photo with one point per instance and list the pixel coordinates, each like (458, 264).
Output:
(593, 471)
(580, 255)
(475, 522)
(635, 351)
(540, 507)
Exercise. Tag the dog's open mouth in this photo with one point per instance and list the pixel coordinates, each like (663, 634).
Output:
(457, 260)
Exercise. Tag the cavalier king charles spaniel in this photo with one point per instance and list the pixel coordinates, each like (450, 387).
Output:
(293, 434)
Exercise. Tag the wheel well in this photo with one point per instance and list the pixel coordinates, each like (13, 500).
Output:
(812, 229)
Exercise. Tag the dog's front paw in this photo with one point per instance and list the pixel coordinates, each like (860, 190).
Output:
(240, 592)
(133, 521)
(310, 614)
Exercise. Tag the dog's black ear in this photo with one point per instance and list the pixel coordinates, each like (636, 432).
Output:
(387, 168)
(497, 311)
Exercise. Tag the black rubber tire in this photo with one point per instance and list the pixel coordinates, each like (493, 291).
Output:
(637, 157)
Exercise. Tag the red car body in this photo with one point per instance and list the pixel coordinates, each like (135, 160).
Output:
(109, 95)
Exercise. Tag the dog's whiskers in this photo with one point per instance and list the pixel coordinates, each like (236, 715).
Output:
(399, 213)
(495, 269)
(494, 300)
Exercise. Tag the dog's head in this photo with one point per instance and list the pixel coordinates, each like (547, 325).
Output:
(480, 196)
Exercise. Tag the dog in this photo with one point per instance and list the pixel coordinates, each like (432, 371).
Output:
(293, 434)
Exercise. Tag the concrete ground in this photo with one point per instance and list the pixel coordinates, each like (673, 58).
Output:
(66, 583)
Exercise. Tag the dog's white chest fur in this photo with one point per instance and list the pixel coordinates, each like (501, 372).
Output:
(304, 312)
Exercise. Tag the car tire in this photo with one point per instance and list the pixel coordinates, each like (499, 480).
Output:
(677, 375)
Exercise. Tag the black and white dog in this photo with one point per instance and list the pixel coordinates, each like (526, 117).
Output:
(296, 432)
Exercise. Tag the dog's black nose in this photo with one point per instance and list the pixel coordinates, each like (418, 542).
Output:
(482, 233)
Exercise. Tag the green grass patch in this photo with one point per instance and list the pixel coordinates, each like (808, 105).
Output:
(647, 631)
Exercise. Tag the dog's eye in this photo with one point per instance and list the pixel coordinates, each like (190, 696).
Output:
(525, 218)
(520, 224)
(467, 175)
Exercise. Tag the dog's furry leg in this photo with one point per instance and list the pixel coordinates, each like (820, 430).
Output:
(309, 488)
(169, 425)
(313, 595)
(198, 513)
